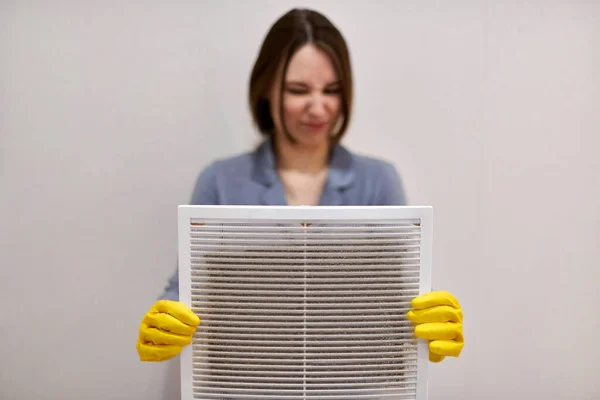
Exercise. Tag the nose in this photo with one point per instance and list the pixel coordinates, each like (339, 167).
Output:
(317, 105)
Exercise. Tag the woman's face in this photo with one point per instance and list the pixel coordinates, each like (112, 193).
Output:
(311, 98)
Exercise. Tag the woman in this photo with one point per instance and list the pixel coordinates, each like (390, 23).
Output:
(301, 101)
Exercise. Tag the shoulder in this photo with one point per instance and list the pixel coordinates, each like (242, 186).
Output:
(231, 166)
(220, 174)
(380, 178)
(374, 166)
(374, 169)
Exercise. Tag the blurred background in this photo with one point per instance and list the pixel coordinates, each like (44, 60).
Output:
(109, 111)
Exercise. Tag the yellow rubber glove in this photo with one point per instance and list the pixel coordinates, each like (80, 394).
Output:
(165, 329)
(438, 318)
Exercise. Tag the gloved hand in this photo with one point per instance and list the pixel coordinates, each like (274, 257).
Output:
(165, 329)
(438, 318)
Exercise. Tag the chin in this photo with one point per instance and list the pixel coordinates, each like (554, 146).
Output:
(313, 140)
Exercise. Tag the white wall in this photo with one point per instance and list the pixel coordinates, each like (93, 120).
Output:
(109, 110)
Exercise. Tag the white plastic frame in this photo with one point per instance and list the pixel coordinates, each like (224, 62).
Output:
(302, 214)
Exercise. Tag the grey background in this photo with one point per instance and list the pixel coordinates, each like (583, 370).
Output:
(109, 110)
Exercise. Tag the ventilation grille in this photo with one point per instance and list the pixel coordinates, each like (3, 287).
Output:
(303, 310)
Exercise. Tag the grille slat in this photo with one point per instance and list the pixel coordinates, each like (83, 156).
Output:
(376, 265)
(319, 374)
(311, 331)
(342, 318)
(293, 300)
(299, 261)
(391, 364)
(337, 394)
(315, 248)
(276, 362)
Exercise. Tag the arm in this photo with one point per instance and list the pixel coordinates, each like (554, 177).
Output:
(205, 193)
(169, 325)
(437, 316)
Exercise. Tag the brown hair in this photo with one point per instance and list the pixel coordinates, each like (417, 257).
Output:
(290, 32)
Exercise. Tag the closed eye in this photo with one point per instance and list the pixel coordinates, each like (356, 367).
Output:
(301, 89)
(296, 90)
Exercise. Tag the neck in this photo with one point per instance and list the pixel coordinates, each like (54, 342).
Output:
(290, 157)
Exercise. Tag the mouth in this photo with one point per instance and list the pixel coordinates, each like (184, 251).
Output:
(318, 126)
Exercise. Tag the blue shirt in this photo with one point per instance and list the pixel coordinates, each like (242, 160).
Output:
(251, 179)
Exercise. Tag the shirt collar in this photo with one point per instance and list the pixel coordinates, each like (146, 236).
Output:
(341, 167)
